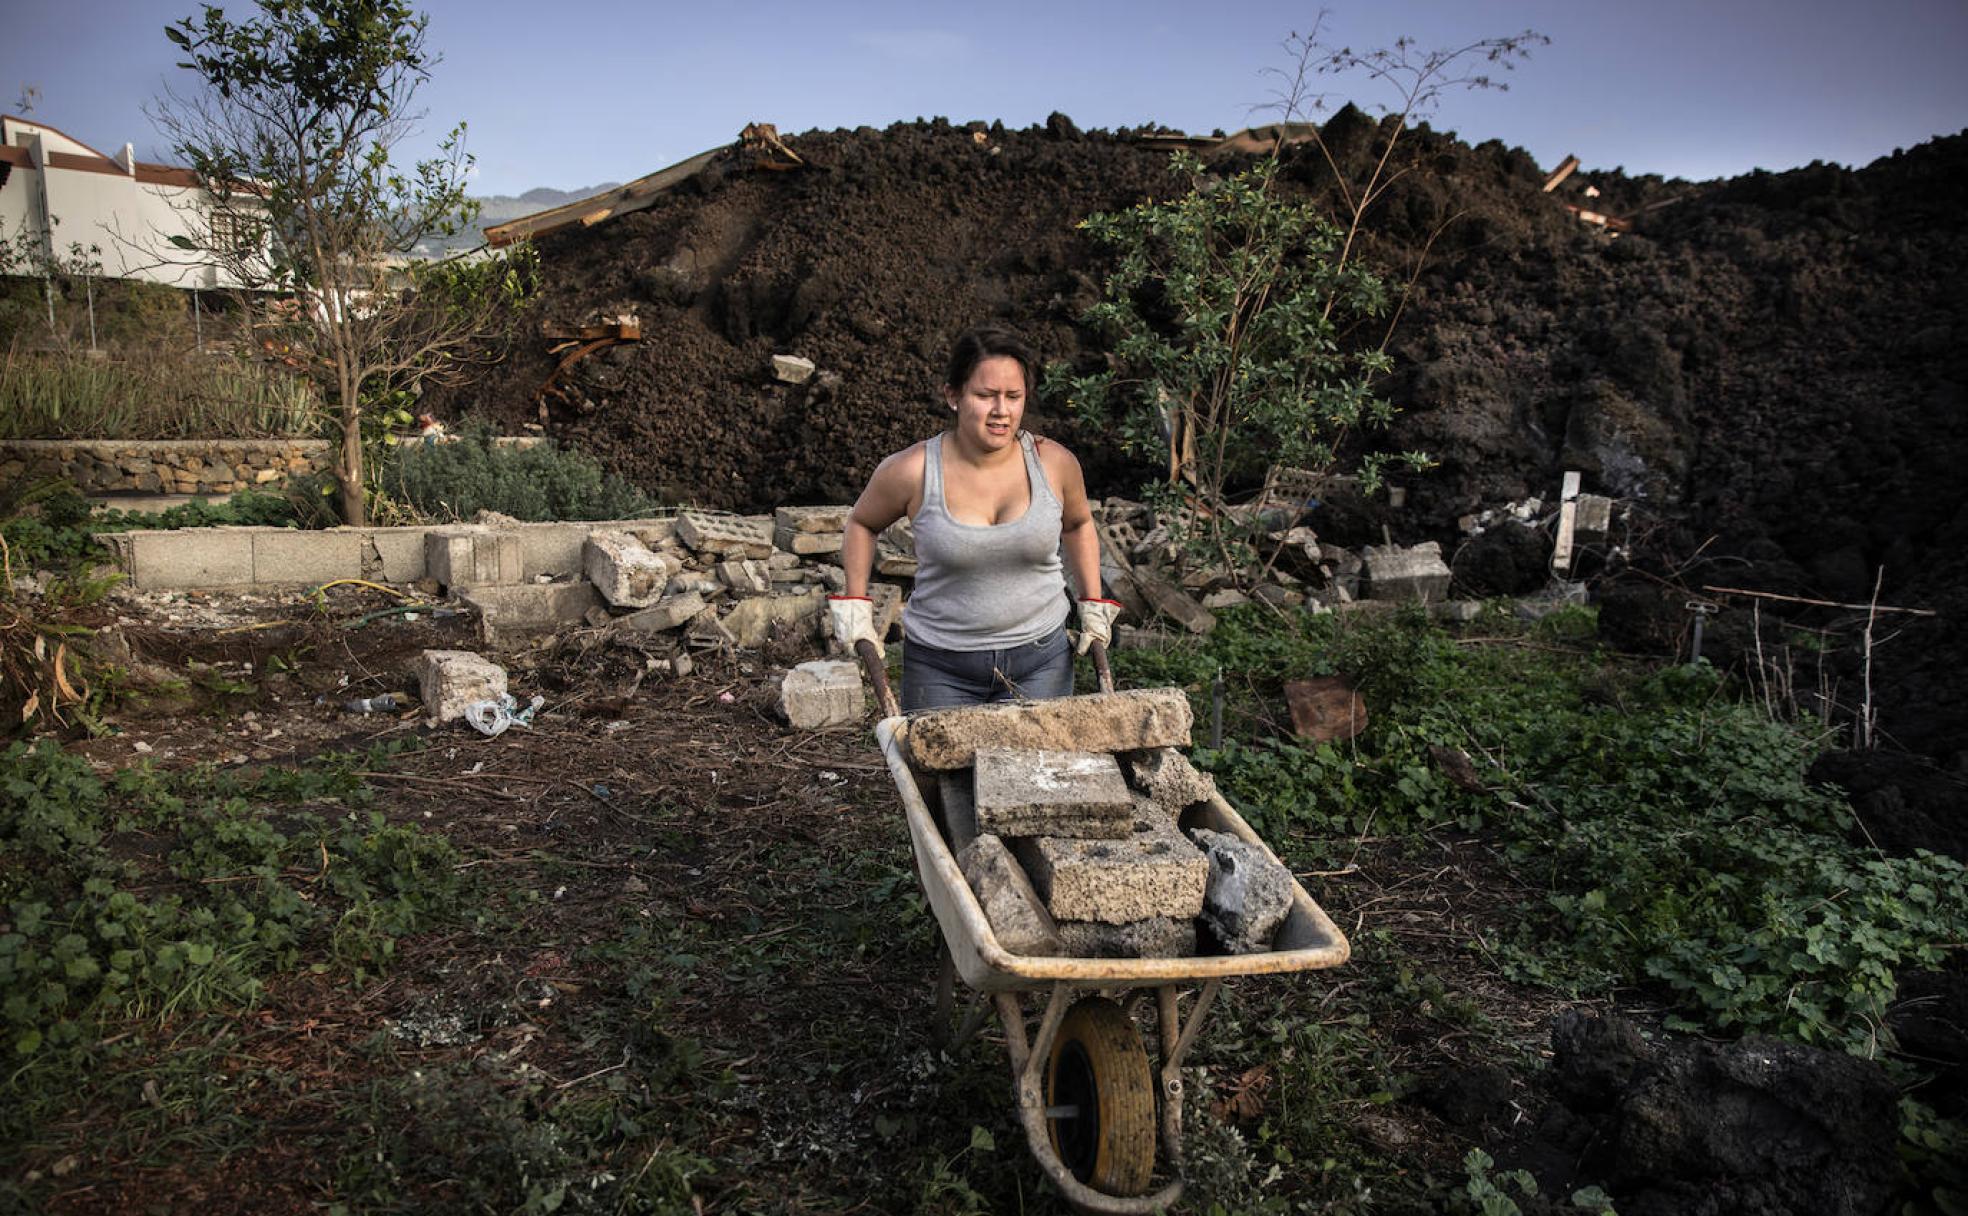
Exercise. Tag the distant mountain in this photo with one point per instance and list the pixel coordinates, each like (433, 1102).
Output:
(498, 208)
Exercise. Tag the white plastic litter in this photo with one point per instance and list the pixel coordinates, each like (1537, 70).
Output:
(491, 718)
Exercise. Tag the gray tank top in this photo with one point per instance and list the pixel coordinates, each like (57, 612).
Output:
(986, 586)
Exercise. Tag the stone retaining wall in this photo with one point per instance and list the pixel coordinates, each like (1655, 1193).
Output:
(163, 466)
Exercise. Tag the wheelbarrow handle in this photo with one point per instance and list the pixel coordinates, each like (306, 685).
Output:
(877, 672)
(1097, 651)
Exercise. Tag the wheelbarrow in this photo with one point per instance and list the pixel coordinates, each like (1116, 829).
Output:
(1091, 1105)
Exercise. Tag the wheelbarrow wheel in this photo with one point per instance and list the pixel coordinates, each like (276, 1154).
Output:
(1100, 1099)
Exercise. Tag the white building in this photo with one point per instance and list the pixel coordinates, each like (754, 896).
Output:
(128, 209)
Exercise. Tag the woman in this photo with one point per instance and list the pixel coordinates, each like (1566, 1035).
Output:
(995, 510)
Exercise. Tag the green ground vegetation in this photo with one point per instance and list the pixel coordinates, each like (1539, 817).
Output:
(1666, 818)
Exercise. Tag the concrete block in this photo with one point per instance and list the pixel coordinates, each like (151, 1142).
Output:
(1042, 793)
(394, 555)
(1248, 894)
(807, 543)
(823, 693)
(1155, 872)
(1594, 519)
(626, 572)
(553, 549)
(670, 612)
(193, 557)
(469, 555)
(959, 808)
(1018, 917)
(531, 608)
(285, 556)
(450, 680)
(752, 621)
(1167, 777)
(811, 519)
(745, 577)
(1157, 937)
(946, 739)
(791, 369)
(725, 535)
(1416, 573)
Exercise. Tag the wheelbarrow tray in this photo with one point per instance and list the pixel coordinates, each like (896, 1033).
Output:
(1308, 939)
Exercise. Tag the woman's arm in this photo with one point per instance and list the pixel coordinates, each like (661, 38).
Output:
(1079, 540)
(886, 499)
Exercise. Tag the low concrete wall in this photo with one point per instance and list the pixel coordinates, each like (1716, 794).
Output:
(238, 558)
(163, 466)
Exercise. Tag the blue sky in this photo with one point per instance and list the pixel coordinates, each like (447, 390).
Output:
(566, 95)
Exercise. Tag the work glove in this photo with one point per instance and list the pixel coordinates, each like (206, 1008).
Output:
(853, 619)
(1097, 623)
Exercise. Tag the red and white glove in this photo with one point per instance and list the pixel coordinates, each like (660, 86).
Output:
(1097, 623)
(853, 620)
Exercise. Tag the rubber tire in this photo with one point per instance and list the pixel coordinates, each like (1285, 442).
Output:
(1098, 1061)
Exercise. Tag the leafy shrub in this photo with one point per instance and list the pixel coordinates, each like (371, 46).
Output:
(457, 480)
(151, 396)
(59, 538)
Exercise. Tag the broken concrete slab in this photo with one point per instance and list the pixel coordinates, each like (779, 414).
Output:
(811, 519)
(1155, 872)
(670, 612)
(823, 693)
(745, 576)
(1167, 777)
(706, 632)
(692, 583)
(627, 573)
(1173, 602)
(956, 795)
(1048, 793)
(725, 535)
(530, 608)
(1157, 937)
(945, 739)
(1018, 917)
(1414, 573)
(887, 598)
(752, 621)
(1248, 896)
(791, 369)
(448, 681)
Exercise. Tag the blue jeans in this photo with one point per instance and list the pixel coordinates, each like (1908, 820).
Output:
(938, 679)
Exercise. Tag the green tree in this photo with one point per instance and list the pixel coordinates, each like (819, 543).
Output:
(1236, 317)
(292, 131)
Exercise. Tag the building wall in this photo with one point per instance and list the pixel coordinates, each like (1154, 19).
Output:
(126, 209)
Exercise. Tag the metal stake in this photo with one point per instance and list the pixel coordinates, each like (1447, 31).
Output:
(1216, 710)
(1702, 612)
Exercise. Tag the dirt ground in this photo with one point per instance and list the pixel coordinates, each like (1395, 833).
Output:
(691, 912)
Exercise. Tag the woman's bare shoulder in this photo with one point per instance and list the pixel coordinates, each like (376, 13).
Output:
(1054, 456)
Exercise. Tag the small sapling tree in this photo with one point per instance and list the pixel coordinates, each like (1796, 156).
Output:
(1238, 318)
(292, 130)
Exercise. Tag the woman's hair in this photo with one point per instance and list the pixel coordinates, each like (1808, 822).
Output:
(973, 346)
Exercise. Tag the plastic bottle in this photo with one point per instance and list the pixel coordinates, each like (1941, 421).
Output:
(387, 703)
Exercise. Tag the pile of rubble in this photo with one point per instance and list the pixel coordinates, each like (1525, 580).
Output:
(1065, 817)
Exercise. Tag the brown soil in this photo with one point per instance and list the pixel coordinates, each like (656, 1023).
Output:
(1771, 366)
